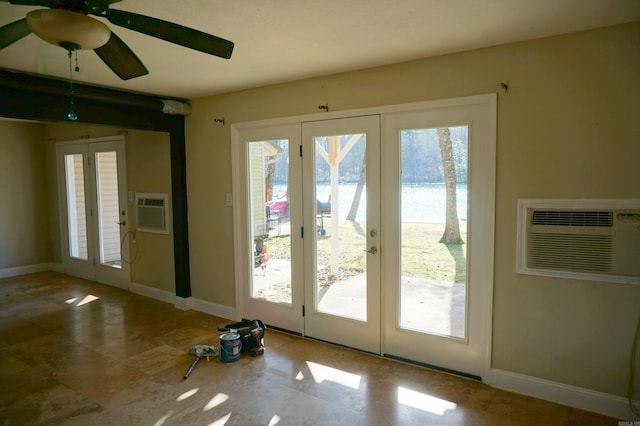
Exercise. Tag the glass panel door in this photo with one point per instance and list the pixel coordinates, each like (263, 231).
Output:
(93, 209)
(341, 196)
(439, 188)
(268, 208)
(111, 219)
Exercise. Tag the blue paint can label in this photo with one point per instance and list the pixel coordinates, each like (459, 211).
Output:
(230, 347)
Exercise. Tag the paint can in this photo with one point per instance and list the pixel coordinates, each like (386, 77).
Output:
(230, 347)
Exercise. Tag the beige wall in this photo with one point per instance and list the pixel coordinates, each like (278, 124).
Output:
(148, 170)
(25, 238)
(567, 127)
(29, 214)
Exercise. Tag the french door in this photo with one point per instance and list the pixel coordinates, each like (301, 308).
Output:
(93, 209)
(439, 168)
(341, 183)
(294, 241)
(268, 225)
(341, 226)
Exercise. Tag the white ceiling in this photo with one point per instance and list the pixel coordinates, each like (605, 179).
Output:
(285, 40)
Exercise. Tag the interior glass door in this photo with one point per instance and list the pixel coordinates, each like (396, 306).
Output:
(341, 231)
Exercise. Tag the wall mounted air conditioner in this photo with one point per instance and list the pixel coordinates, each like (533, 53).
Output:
(152, 213)
(580, 239)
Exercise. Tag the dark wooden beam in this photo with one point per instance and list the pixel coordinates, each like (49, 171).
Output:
(38, 98)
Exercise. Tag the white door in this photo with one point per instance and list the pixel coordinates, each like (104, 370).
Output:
(267, 225)
(93, 209)
(341, 207)
(437, 295)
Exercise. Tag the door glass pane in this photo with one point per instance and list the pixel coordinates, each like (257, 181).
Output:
(341, 212)
(434, 230)
(270, 225)
(108, 208)
(74, 173)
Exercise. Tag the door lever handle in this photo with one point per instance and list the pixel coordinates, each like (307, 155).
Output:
(372, 250)
(124, 222)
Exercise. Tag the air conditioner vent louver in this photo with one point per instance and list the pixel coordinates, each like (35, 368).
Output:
(157, 202)
(580, 239)
(152, 213)
(572, 218)
(591, 253)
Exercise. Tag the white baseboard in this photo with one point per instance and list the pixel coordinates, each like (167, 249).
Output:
(215, 309)
(184, 304)
(152, 292)
(28, 269)
(573, 396)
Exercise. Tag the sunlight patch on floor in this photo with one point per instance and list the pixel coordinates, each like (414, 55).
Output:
(221, 421)
(215, 401)
(321, 373)
(163, 419)
(274, 420)
(87, 299)
(424, 402)
(187, 394)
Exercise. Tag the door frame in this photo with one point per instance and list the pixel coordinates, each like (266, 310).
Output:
(92, 269)
(489, 99)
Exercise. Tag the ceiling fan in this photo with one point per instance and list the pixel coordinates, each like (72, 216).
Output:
(67, 25)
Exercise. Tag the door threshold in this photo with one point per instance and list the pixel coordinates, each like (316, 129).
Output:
(434, 367)
(282, 330)
(388, 356)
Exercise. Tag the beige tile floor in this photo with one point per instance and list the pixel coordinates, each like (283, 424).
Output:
(74, 352)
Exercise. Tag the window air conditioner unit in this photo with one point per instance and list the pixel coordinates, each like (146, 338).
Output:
(152, 213)
(580, 239)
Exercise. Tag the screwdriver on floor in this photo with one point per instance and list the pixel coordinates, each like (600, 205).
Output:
(191, 368)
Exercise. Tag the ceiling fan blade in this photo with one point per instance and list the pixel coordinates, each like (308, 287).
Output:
(122, 61)
(174, 33)
(13, 32)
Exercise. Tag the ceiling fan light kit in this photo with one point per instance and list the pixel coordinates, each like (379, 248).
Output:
(67, 25)
(70, 30)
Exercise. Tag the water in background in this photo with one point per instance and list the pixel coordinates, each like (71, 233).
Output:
(422, 202)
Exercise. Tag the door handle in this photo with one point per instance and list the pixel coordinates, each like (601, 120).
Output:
(372, 250)
(124, 222)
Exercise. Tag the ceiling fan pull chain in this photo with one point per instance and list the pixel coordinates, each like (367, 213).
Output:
(71, 115)
(77, 67)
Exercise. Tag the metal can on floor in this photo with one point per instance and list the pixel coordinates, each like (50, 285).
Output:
(230, 347)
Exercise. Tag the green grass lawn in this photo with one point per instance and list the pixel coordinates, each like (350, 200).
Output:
(422, 255)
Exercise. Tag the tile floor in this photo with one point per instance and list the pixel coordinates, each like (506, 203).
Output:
(73, 352)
